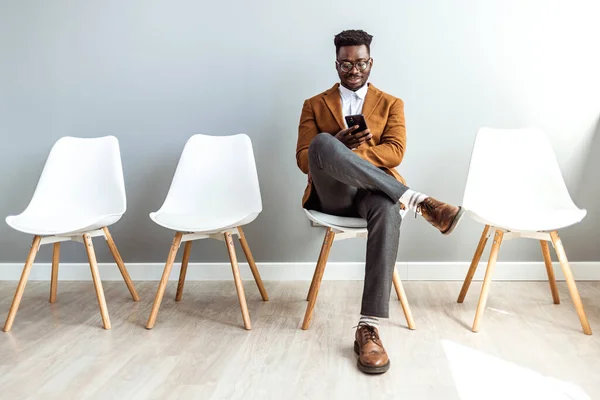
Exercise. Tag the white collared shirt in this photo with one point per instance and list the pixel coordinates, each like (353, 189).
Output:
(352, 102)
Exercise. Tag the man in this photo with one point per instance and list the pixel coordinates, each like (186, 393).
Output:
(352, 173)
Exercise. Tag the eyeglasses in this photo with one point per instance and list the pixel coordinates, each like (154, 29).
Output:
(347, 66)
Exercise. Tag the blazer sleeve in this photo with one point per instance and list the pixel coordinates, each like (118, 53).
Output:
(389, 152)
(307, 130)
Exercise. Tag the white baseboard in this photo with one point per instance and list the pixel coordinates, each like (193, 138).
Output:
(416, 271)
(504, 271)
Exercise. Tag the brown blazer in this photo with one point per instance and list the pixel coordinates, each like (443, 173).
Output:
(385, 118)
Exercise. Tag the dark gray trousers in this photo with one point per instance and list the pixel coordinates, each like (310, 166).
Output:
(347, 185)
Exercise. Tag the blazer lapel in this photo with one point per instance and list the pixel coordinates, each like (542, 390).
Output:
(371, 101)
(334, 103)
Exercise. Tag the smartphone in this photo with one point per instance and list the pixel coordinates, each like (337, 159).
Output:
(359, 120)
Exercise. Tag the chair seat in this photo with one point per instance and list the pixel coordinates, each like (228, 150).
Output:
(334, 221)
(530, 219)
(49, 225)
(205, 223)
(341, 223)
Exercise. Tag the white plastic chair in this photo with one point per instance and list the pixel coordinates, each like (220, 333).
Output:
(516, 189)
(214, 192)
(79, 194)
(340, 228)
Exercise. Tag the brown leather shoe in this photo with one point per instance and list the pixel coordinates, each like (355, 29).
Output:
(443, 216)
(372, 358)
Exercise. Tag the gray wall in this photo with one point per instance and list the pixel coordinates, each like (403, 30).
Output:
(153, 73)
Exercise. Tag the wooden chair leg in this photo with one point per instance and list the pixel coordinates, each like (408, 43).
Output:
(488, 279)
(550, 271)
(312, 285)
(22, 282)
(89, 247)
(403, 300)
(184, 264)
(239, 287)
(564, 263)
(314, 278)
(474, 263)
(163, 281)
(252, 264)
(319, 271)
(115, 253)
(54, 277)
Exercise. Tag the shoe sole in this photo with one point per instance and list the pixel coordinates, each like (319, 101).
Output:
(369, 370)
(454, 224)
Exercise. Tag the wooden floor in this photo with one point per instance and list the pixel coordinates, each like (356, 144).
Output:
(527, 347)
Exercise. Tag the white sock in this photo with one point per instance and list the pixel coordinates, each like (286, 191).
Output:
(366, 320)
(411, 199)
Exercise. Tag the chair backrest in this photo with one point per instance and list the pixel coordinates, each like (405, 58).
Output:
(514, 169)
(215, 173)
(81, 176)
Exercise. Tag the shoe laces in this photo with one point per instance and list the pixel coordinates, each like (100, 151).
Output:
(425, 204)
(369, 332)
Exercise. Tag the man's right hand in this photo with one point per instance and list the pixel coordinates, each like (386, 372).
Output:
(352, 139)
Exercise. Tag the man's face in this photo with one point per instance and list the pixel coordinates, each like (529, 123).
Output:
(349, 61)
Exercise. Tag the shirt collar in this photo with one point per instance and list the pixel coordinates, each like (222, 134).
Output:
(347, 93)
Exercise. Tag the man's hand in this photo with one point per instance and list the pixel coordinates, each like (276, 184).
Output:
(352, 139)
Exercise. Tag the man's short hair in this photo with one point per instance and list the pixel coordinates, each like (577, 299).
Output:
(352, 37)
